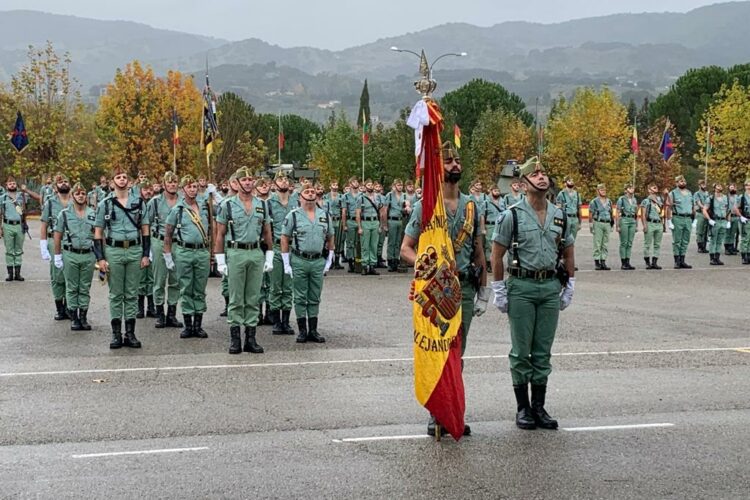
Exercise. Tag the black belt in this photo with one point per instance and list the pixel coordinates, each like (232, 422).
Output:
(277, 242)
(654, 220)
(243, 246)
(308, 255)
(82, 251)
(394, 218)
(368, 218)
(628, 216)
(123, 244)
(463, 276)
(157, 236)
(353, 218)
(602, 220)
(191, 246)
(544, 274)
(12, 222)
(683, 215)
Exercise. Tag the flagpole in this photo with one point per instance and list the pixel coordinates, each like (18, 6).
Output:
(174, 141)
(363, 155)
(635, 154)
(279, 140)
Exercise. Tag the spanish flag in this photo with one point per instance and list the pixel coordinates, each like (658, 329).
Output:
(457, 136)
(436, 291)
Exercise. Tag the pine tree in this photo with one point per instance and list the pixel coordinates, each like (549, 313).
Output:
(364, 120)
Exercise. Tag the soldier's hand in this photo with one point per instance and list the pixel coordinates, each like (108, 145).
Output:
(103, 266)
(221, 263)
(268, 264)
(43, 249)
(145, 262)
(501, 295)
(742, 220)
(58, 261)
(168, 261)
(566, 297)
(287, 264)
(670, 225)
(711, 222)
(329, 261)
(483, 296)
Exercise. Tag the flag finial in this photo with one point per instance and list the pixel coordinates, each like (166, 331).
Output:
(425, 85)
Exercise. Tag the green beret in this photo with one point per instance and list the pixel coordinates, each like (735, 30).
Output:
(145, 183)
(243, 172)
(450, 151)
(530, 166)
(170, 177)
(679, 178)
(569, 179)
(601, 186)
(187, 179)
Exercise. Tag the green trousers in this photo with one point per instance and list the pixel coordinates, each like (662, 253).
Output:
(467, 312)
(393, 252)
(338, 236)
(146, 285)
(701, 229)
(265, 288)
(627, 234)
(56, 276)
(245, 278)
(574, 224)
(601, 240)
(745, 243)
(652, 239)
(488, 242)
(681, 234)
(280, 292)
(308, 285)
(192, 267)
(351, 240)
(730, 236)
(124, 278)
(13, 240)
(163, 277)
(381, 243)
(718, 233)
(533, 311)
(370, 238)
(79, 271)
(225, 286)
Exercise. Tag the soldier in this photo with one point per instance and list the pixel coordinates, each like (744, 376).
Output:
(122, 245)
(495, 207)
(600, 225)
(383, 230)
(280, 298)
(533, 296)
(146, 286)
(680, 212)
(334, 205)
(246, 220)
(46, 191)
(626, 224)
(50, 210)
(232, 190)
(187, 225)
(410, 193)
(717, 213)
(742, 210)
(263, 193)
(733, 231)
(516, 193)
(308, 233)
(463, 228)
(369, 225)
(476, 191)
(74, 236)
(13, 213)
(653, 227)
(700, 198)
(349, 214)
(570, 201)
(158, 210)
(395, 210)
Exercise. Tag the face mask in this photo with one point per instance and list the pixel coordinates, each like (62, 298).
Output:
(64, 189)
(452, 177)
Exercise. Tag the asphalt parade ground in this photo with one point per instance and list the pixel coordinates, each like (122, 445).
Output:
(650, 383)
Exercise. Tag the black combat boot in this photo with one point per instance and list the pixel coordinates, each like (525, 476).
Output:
(278, 326)
(654, 264)
(130, 340)
(267, 316)
(226, 307)
(288, 330)
(351, 266)
(75, 322)
(188, 331)
(541, 417)
(381, 263)
(302, 327)
(18, 276)
(365, 270)
(524, 418)
(250, 344)
(172, 317)
(728, 249)
(60, 308)
(746, 258)
(10, 274)
(677, 262)
(372, 272)
(718, 259)
(116, 342)
(648, 262)
(161, 319)
(702, 247)
(604, 265)
(625, 265)
(235, 341)
(712, 259)
(630, 267)
(150, 310)
(198, 330)
(683, 264)
(65, 309)
(140, 314)
(82, 313)
(312, 332)
(597, 265)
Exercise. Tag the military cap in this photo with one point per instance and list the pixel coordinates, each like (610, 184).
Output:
(601, 185)
(628, 185)
(78, 187)
(60, 177)
(146, 183)
(679, 178)
(243, 172)
(233, 177)
(186, 180)
(10, 178)
(568, 178)
(170, 177)
(280, 174)
(118, 170)
(450, 151)
(529, 167)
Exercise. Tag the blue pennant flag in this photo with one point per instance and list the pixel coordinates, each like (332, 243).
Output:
(666, 148)
(18, 137)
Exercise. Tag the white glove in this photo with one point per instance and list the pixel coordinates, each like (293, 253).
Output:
(711, 222)
(566, 297)
(287, 264)
(501, 295)
(221, 263)
(44, 250)
(329, 261)
(729, 224)
(743, 219)
(58, 261)
(150, 256)
(210, 189)
(268, 265)
(670, 225)
(695, 223)
(483, 296)
(169, 261)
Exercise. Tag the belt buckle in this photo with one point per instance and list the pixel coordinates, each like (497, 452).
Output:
(539, 275)
(126, 244)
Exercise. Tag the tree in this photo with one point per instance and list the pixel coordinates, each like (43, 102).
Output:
(336, 152)
(240, 143)
(498, 136)
(392, 151)
(298, 133)
(650, 165)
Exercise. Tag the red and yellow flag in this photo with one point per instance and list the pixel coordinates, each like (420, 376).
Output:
(457, 136)
(436, 293)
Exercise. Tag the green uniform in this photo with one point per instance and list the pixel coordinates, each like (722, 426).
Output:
(158, 210)
(730, 237)
(227, 238)
(570, 202)
(533, 304)
(333, 206)
(381, 234)
(370, 223)
(718, 210)
(602, 214)
(627, 211)
(191, 254)
(494, 209)
(395, 206)
(50, 210)
(682, 219)
(510, 200)
(123, 251)
(12, 207)
(244, 258)
(78, 258)
(463, 232)
(352, 236)
(146, 285)
(47, 191)
(307, 243)
(655, 227)
(744, 207)
(280, 293)
(700, 199)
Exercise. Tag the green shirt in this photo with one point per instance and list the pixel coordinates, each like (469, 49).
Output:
(745, 211)
(277, 212)
(158, 210)
(333, 205)
(537, 244)
(719, 205)
(702, 197)
(682, 201)
(627, 206)
(652, 208)
(76, 231)
(51, 209)
(601, 210)
(246, 226)
(734, 202)
(12, 206)
(307, 235)
(369, 206)
(456, 222)
(569, 201)
(189, 226)
(494, 210)
(481, 202)
(396, 204)
(47, 191)
(509, 199)
(115, 222)
(350, 204)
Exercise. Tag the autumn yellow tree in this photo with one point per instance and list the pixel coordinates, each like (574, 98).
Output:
(651, 167)
(729, 158)
(498, 136)
(136, 126)
(588, 137)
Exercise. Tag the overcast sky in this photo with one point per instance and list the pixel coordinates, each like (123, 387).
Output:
(336, 24)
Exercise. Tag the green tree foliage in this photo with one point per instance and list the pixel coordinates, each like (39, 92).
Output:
(650, 164)
(498, 136)
(392, 151)
(239, 143)
(298, 134)
(337, 152)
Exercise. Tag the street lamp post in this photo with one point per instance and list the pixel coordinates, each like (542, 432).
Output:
(454, 54)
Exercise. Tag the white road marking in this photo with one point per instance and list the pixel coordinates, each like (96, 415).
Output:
(381, 438)
(616, 427)
(139, 452)
(347, 362)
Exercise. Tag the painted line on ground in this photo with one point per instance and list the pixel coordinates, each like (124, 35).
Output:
(381, 438)
(350, 362)
(744, 350)
(617, 427)
(139, 452)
